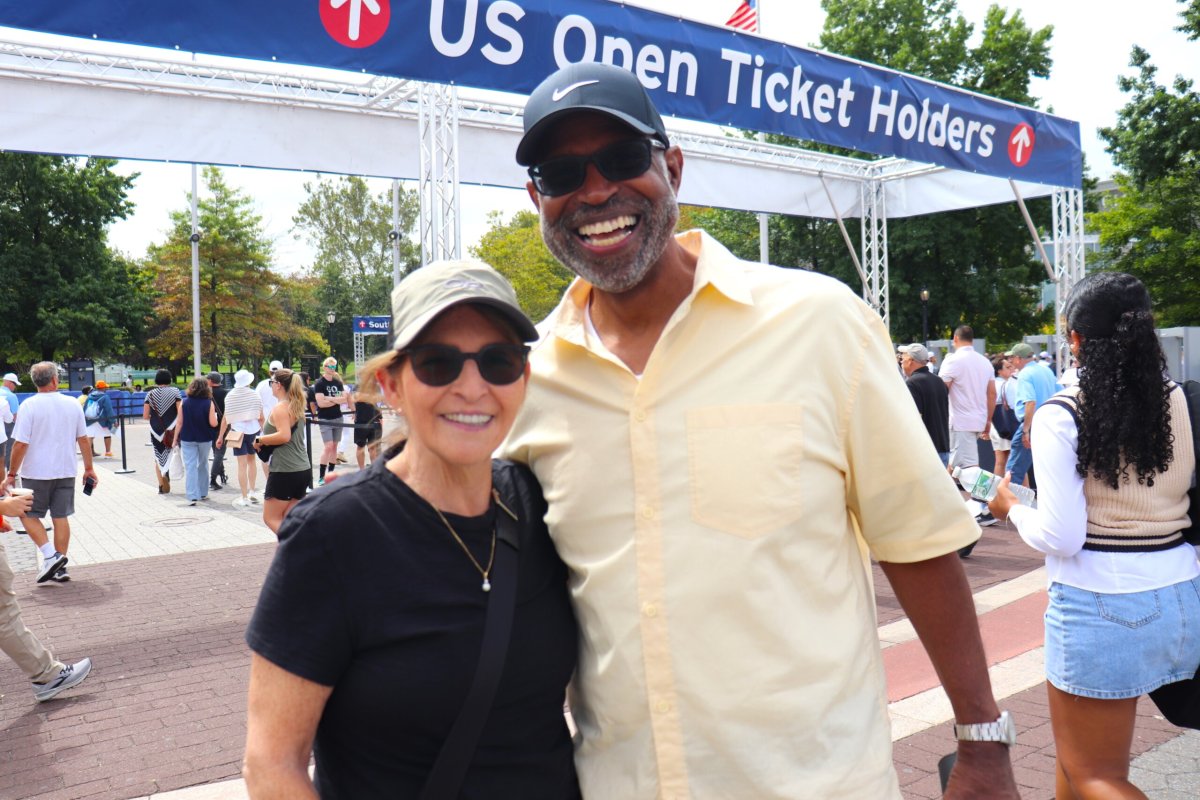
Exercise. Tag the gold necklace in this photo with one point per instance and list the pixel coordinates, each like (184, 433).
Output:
(487, 584)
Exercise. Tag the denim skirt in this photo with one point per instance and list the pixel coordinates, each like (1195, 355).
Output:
(1117, 646)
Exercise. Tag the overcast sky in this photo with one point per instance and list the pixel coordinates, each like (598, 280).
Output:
(1090, 48)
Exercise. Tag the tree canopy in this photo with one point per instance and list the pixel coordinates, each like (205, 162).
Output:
(1151, 227)
(516, 250)
(349, 229)
(68, 294)
(242, 317)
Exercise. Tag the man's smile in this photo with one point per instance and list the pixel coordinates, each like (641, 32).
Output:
(607, 233)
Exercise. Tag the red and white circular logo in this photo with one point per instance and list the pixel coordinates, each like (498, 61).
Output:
(1020, 144)
(356, 23)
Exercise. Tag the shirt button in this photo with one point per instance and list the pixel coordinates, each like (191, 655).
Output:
(648, 512)
(639, 415)
(662, 706)
(650, 610)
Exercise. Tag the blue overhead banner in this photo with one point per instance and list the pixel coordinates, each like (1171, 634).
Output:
(372, 326)
(692, 70)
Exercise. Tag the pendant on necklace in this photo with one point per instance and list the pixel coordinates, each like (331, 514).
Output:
(487, 585)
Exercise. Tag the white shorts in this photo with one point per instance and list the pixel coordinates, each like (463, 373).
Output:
(964, 448)
(96, 429)
(999, 445)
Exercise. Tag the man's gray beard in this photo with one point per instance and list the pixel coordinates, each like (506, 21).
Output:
(616, 274)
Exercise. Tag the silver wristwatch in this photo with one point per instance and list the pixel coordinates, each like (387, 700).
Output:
(1001, 730)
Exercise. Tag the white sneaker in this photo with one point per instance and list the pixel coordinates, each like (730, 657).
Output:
(241, 502)
(255, 498)
(70, 675)
(50, 566)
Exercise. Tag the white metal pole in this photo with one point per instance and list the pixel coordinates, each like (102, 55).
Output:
(764, 250)
(1037, 240)
(195, 237)
(395, 232)
(845, 234)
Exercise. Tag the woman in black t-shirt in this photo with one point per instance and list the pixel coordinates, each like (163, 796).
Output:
(369, 628)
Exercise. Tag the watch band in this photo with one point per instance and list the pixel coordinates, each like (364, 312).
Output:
(1001, 730)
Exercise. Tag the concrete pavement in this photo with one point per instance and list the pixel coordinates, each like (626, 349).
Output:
(161, 594)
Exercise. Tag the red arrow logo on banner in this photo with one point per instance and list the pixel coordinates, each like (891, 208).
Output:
(1020, 145)
(356, 23)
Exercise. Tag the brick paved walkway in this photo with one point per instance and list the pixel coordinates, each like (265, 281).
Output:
(164, 706)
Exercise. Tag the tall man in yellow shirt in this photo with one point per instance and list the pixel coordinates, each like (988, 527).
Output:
(720, 444)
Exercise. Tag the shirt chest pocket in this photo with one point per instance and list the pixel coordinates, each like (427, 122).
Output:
(744, 467)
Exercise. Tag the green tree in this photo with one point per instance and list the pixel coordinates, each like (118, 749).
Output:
(241, 317)
(349, 230)
(977, 263)
(1191, 19)
(67, 293)
(1152, 226)
(925, 37)
(516, 250)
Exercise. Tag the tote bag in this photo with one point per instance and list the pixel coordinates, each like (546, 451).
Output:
(1004, 418)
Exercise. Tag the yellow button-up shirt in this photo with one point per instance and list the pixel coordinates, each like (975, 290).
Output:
(714, 514)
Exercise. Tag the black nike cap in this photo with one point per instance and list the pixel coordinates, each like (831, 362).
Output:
(588, 86)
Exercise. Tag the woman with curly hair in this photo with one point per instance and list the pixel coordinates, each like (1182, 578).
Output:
(1114, 460)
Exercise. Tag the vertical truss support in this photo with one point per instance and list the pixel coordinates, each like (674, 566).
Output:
(441, 232)
(1068, 259)
(875, 248)
(360, 355)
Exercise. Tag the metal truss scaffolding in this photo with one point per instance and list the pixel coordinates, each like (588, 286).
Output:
(1068, 258)
(875, 248)
(438, 186)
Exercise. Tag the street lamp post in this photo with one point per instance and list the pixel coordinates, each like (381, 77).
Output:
(925, 316)
(331, 318)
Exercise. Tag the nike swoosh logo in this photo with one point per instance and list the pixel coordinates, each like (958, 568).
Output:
(559, 94)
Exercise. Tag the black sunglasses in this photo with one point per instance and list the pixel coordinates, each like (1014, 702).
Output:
(441, 364)
(621, 161)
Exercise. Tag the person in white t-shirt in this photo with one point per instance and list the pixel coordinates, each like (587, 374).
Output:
(48, 429)
(244, 417)
(969, 377)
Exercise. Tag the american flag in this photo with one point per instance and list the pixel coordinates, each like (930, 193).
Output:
(745, 17)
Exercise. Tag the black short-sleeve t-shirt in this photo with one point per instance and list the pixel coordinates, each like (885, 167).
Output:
(366, 413)
(333, 388)
(370, 594)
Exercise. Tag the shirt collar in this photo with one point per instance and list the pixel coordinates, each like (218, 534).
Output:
(715, 267)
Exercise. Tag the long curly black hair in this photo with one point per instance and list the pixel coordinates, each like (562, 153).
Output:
(1125, 414)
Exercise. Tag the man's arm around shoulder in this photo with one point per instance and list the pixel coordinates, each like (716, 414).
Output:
(937, 598)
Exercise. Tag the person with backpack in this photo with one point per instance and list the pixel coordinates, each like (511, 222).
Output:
(1115, 458)
(100, 417)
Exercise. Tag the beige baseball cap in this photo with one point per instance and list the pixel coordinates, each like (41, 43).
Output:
(435, 287)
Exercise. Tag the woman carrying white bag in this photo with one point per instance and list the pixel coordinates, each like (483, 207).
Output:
(242, 421)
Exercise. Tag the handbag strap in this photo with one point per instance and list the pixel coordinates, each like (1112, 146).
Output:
(451, 765)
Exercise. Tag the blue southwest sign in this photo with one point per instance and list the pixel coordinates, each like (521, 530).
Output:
(691, 70)
(372, 326)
